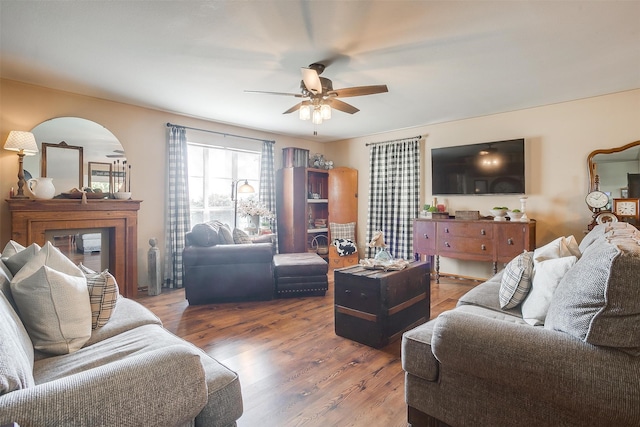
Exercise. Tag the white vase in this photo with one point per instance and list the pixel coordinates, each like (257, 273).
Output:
(42, 188)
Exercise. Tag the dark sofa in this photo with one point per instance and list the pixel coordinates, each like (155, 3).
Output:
(216, 270)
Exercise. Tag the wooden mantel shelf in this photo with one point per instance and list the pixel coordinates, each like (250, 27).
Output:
(31, 219)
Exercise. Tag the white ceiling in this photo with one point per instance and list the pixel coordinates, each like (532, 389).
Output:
(442, 60)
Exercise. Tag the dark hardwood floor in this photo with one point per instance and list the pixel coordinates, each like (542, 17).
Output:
(293, 369)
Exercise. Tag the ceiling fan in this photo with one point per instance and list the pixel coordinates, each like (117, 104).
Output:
(321, 96)
(119, 154)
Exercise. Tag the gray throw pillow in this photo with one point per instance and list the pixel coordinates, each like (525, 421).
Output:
(240, 236)
(225, 236)
(598, 300)
(204, 235)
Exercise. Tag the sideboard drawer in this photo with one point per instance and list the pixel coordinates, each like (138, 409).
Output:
(466, 246)
(465, 229)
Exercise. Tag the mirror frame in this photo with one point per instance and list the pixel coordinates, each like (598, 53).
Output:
(52, 152)
(593, 184)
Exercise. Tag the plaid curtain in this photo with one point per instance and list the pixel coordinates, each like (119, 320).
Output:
(177, 221)
(267, 190)
(394, 194)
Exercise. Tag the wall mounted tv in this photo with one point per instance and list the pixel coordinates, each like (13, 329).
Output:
(487, 168)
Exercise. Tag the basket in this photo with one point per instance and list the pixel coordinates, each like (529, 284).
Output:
(321, 248)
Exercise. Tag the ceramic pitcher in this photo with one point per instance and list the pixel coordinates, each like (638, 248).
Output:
(42, 188)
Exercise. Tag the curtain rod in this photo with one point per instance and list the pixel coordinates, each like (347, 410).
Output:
(222, 133)
(393, 140)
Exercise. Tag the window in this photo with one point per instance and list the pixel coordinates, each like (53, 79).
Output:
(212, 170)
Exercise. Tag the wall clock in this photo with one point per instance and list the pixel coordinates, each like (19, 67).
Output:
(597, 199)
(626, 207)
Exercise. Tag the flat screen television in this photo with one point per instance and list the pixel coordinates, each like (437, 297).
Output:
(487, 168)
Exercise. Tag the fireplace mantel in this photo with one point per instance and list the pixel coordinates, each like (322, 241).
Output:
(31, 219)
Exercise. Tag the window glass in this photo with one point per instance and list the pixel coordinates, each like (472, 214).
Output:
(212, 172)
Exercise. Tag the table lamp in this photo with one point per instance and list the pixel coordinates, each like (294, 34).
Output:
(25, 144)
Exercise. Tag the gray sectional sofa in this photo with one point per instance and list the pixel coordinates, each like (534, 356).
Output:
(128, 372)
(577, 364)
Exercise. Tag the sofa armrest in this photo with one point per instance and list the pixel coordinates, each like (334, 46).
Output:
(162, 387)
(247, 253)
(547, 365)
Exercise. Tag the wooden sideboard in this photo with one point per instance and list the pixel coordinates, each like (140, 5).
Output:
(31, 219)
(473, 240)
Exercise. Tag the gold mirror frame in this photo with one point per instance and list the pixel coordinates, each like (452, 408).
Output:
(593, 180)
(58, 162)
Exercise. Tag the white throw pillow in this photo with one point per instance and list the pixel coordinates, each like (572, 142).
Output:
(11, 248)
(547, 275)
(53, 300)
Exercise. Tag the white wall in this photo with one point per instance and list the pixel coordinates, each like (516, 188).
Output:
(559, 138)
(142, 133)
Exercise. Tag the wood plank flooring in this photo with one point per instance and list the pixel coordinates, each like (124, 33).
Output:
(293, 368)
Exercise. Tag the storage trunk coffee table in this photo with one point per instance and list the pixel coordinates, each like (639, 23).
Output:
(375, 307)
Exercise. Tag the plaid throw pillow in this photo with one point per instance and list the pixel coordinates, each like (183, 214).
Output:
(103, 294)
(240, 236)
(343, 231)
(516, 280)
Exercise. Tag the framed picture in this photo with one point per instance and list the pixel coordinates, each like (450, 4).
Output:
(624, 192)
(100, 176)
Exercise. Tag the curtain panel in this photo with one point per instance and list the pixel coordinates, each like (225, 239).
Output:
(177, 219)
(394, 194)
(267, 190)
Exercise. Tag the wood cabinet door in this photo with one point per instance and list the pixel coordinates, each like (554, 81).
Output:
(424, 237)
(512, 241)
(291, 201)
(343, 195)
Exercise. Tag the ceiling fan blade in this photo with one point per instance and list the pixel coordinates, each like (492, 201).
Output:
(297, 95)
(342, 106)
(294, 108)
(359, 91)
(311, 80)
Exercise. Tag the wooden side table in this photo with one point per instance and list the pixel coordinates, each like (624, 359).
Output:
(375, 307)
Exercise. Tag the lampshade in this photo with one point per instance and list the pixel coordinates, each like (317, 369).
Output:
(305, 112)
(316, 117)
(246, 188)
(325, 110)
(25, 141)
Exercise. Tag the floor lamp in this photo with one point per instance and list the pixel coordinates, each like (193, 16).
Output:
(244, 188)
(25, 144)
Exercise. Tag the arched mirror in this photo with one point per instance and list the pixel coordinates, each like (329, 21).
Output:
(616, 171)
(99, 147)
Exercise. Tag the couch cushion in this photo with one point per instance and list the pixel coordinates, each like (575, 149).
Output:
(417, 357)
(598, 300)
(16, 351)
(52, 297)
(103, 293)
(516, 280)
(18, 255)
(225, 236)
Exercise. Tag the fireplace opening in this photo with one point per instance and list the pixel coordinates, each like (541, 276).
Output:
(89, 246)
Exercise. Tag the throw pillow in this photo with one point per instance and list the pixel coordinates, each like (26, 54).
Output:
(225, 236)
(546, 277)
(17, 260)
(204, 235)
(16, 351)
(240, 236)
(52, 297)
(11, 248)
(516, 280)
(598, 301)
(345, 247)
(103, 294)
(343, 231)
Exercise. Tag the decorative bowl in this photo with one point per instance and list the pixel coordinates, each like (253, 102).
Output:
(515, 215)
(499, 214)
(123, 195)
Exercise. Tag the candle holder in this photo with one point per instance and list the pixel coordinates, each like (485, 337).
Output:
(523, 209)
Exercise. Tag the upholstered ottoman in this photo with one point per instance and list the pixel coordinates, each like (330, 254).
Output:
(300, 274)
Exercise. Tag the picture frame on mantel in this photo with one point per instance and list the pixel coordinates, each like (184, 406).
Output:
(100, 176)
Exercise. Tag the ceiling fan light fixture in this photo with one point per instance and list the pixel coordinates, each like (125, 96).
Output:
(305, 112)
(325, 111)
(316, 118)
